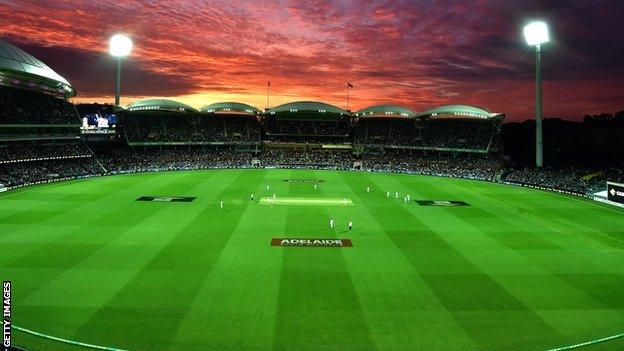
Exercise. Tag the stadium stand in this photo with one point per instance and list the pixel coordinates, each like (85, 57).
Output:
(460, 127)
(307, 122)
(443, 164)
(335, 159)
(149, 159)
(157, 121)
(162, 122)
(228, 122)
(20, 106)
(21, 174)
(386, 125)
(21, 151)
(40, 137)
(39, 128)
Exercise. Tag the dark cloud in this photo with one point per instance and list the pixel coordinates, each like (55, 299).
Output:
(416, 53)
(94, 73)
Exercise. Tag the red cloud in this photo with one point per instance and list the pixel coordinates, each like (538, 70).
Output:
(402, 52)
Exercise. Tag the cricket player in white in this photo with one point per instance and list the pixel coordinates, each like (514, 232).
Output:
(331, 223)
(315, 186)
(221, 204)
(251, 197)
(350, 225)
(396, 194)
(268, 187)
(388, 193)
(368, 189)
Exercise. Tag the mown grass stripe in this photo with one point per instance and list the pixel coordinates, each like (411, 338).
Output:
(469, 293)
(174, 275)
(318, 307)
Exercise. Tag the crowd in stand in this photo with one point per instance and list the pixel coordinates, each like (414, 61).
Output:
(19, 106)
(386, 131)
(455, 134)
(169, 129)
(154, 159)
(575, 179)
(22, 151)
(16, 174)
(306, 131)
(478, 167)
(568, 178)
(182, 128)
(172, 127)
(122, 160)
(300, 159)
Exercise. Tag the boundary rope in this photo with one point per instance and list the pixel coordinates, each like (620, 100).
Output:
(591, 342)
(72, 342)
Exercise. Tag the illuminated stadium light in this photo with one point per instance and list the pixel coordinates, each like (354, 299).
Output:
(536, 33)
(119, 46)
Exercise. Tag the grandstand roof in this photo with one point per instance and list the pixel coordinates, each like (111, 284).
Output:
(20, 68)
(230, 108)
(458, 112)
(308, 110)
(159, 105)
(385, 111)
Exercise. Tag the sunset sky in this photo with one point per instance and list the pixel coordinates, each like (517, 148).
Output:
(416, 53)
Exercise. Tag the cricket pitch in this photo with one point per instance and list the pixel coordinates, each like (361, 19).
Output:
(306, 201)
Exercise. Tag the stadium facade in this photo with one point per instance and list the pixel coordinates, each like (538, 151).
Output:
(43, 137)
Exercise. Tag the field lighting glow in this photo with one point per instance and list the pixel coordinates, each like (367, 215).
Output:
(120, 45)
(536, 33)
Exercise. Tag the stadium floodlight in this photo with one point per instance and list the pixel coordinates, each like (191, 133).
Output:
(119, 46)
(536, 34)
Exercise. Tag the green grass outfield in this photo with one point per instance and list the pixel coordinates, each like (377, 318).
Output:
(518, 269)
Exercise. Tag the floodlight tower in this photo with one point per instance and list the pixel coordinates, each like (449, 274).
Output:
(119, 46)
(536, 34)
